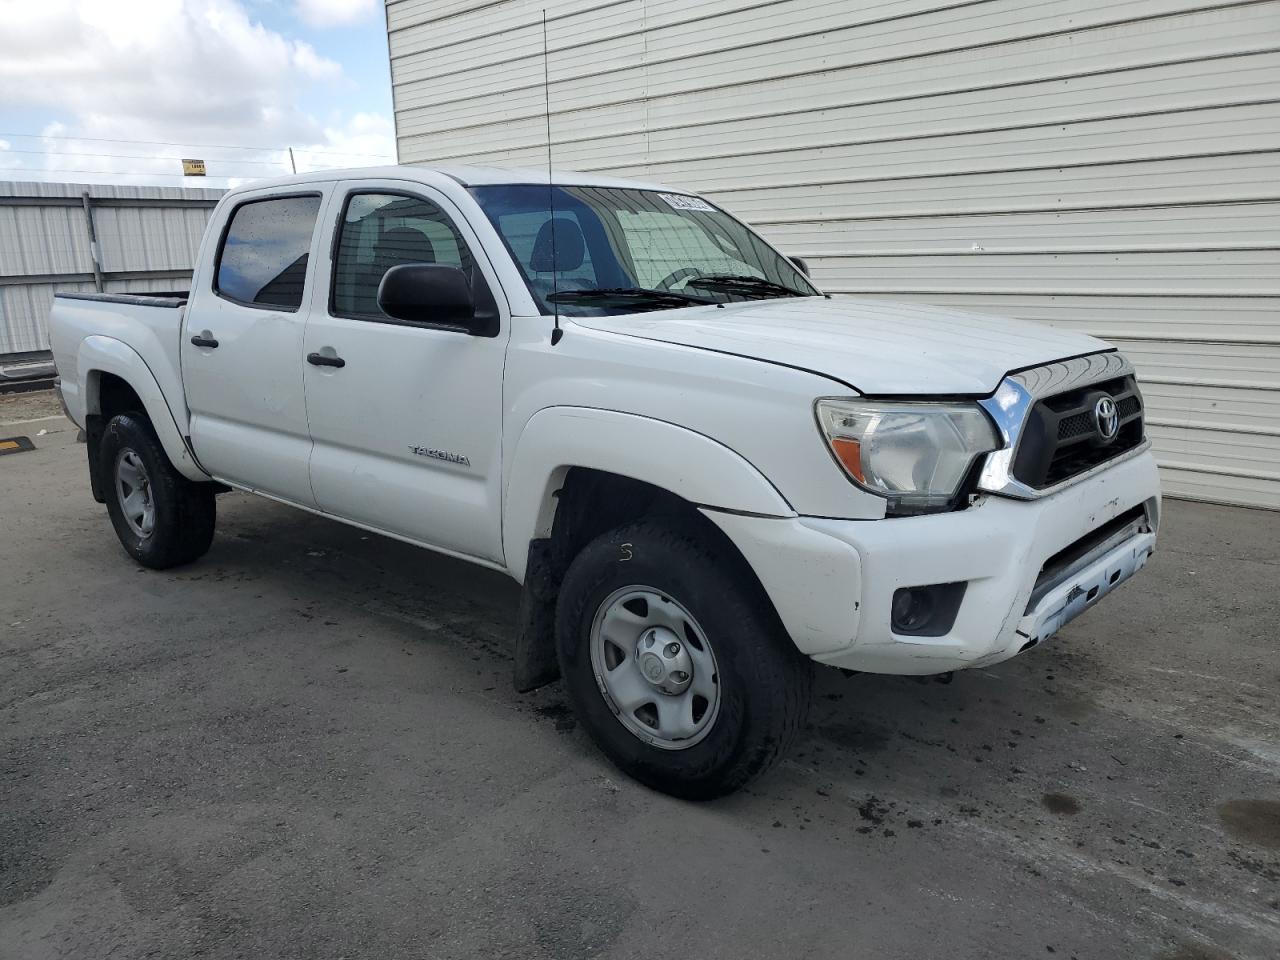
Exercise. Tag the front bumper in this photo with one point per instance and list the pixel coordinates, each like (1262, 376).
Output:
(832, 581)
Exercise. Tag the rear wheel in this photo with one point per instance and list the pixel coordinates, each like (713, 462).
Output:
(162, 518)
(675, 662)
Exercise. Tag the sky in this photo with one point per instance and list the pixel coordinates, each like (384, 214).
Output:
(119, 91)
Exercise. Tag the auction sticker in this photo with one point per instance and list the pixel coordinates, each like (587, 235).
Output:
(681, 202)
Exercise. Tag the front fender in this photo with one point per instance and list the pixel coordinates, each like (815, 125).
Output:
(99, 355)
(688, 464)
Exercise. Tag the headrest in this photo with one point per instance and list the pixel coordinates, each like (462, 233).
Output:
(570, 247)
(404, 245)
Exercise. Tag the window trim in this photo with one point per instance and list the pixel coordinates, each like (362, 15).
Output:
(222, 242)
(336, 239)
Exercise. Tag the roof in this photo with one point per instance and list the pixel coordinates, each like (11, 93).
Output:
(468, 176)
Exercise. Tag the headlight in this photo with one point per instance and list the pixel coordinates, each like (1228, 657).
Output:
(916, 455)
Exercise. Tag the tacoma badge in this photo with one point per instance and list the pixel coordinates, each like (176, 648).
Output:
(444, 455)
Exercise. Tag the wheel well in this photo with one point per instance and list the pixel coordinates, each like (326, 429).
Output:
(113, 396)
(116, 396)
(591, 502)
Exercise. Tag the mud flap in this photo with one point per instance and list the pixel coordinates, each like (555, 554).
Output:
(93, 427)
(535, 654)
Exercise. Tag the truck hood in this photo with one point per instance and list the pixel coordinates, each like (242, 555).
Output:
(879, 347)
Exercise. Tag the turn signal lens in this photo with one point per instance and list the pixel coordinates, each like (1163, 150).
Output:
(849, 452)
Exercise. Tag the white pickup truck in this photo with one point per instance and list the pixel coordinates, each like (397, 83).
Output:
(705, 472)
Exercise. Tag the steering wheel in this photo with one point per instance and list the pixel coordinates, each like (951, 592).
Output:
(675, 276)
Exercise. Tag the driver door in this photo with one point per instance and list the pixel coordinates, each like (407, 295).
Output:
(406, 418)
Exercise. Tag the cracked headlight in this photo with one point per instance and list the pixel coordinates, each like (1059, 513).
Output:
(915, 455)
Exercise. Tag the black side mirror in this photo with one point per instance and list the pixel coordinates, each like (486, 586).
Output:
(427, 293)
(799, 265)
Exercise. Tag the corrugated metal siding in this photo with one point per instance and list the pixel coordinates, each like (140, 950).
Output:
(39, 242)
(1108, 166)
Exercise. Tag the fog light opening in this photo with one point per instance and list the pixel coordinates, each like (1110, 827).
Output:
(912, 609)
(926, 611)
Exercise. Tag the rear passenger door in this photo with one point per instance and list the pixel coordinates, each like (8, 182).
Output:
(406, 418)
(242, 345)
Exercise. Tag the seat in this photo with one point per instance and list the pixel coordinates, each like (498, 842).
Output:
(570, 254)
(559, 247)
(396, 246)
(402, 245)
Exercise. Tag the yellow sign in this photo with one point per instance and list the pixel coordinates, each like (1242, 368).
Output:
(193, 168)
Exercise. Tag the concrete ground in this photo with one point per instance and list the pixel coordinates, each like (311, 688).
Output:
(307, 745)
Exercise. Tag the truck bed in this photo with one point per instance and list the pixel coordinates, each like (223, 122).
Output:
(161, 298)
(141, 331)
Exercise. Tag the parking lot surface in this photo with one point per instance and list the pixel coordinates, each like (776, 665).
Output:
(307, 745)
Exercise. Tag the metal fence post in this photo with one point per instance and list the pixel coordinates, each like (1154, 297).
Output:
(87, 203)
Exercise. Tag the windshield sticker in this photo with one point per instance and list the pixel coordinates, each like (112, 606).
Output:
(686, 203)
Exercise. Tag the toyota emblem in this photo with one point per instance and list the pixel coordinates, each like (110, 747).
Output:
(1107, 417)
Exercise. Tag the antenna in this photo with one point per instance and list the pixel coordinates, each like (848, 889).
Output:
(556, 332)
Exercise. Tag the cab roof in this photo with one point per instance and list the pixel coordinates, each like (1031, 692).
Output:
(464, 174)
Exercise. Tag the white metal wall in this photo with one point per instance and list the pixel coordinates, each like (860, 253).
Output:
(147, 240)
(1107, 165)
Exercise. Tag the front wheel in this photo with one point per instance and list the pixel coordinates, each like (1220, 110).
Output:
(675, 662)
(162, 518)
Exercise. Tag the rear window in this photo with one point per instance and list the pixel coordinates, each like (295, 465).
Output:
(263, 261)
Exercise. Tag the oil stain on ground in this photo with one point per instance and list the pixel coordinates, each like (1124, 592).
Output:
(1253, 821)
(1061, 803)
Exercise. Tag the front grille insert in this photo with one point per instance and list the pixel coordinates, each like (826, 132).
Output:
(1061, 438)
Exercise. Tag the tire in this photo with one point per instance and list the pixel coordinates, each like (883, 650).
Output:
(175, 525)
(692, 586)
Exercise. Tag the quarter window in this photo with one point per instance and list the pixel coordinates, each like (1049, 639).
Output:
(380, 231)
(263, 261)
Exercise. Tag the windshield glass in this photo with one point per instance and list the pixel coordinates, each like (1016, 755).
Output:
(610, 251)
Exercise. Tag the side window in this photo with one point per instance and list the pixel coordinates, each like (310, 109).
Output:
(263, 261)
(380, 231)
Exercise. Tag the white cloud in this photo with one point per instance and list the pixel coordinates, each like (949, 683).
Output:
(332, 13)
(356, 143)
(170, 71)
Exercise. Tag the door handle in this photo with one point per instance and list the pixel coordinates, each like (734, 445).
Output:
(201, 341)
(320, 360)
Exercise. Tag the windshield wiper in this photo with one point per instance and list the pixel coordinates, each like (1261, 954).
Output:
(742, 283)
(639, 294)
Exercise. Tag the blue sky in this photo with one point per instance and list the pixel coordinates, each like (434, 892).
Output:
(119, 90)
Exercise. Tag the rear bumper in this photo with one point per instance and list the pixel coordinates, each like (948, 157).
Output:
(832, 581)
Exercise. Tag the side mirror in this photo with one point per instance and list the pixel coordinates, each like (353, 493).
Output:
(427, 293)
(799, 265)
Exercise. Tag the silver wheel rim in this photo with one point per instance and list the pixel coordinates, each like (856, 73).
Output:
(133, 491)
(655, 667)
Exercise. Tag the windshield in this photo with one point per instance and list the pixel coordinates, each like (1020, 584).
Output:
(610, 251)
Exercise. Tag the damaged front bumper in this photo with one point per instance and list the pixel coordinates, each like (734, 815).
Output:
(1027, 568)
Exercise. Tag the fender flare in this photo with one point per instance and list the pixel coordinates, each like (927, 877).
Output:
(684, 462)
(99, 355)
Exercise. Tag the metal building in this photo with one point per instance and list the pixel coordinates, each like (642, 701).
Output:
(1109, 165)
(71, 236)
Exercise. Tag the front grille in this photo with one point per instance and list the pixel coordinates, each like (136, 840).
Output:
(1061, 438)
